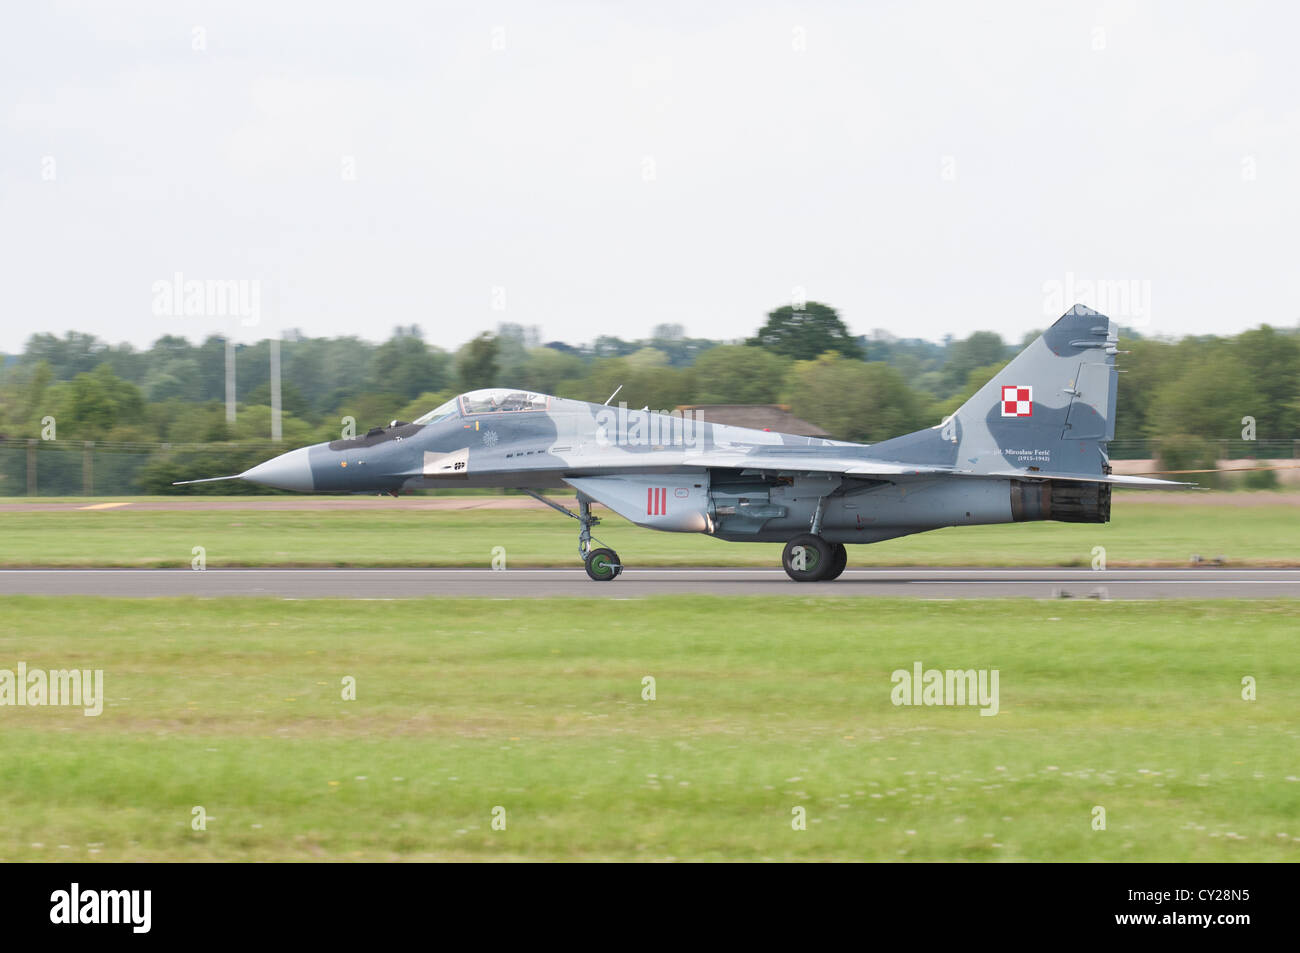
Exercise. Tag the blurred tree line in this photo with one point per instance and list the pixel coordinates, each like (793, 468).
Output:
(1181, 397)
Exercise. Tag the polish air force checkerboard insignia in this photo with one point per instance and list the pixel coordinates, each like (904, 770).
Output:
(1017, 401)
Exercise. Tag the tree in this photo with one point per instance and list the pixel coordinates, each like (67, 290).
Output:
(254, 423)
(647, 357)
(367, 410)
(406, 366)
(172, 378)
(608, 346)
(644, 383)
(680, 350)
(512, 353)
(546, 369)
(1148, 365)
(476, 362)
(327, 370)
(1207, 399)
(91, 406)
(1273, 362)
(74, 353)
(854, 400)
(805, 333)
(291, 402)
(23, 392)
(975, 379)
(979, 350)
(739, 374)
(211, 356)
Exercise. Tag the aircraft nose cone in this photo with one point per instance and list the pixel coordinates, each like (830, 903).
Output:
(288, 471)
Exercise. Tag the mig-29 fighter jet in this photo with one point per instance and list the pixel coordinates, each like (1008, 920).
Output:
(1030, 445)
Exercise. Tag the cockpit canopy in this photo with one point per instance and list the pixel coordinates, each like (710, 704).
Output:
(441, 412)
(492, 400)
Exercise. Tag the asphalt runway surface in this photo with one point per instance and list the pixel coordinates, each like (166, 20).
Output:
(926, 583)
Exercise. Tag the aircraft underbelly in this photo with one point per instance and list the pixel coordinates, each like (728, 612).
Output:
(926, 504)
(765, 512)
(738, 505)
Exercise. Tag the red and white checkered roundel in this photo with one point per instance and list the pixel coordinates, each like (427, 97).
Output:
(1017, 401)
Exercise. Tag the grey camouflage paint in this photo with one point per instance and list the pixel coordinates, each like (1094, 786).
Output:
(668, 473)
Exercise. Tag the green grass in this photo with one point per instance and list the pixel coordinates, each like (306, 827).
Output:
(535, 706)
(1139, 534)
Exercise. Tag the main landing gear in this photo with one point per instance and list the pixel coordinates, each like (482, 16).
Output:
(809, 558)
(602, 564)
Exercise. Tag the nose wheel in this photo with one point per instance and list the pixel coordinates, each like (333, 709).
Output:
(603, 565)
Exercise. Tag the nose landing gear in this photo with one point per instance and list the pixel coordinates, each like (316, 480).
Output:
(603, 564)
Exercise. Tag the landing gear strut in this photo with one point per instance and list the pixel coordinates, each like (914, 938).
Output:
(809, 558)
(602, 564)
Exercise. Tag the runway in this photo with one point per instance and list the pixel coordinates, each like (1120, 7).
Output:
(928, 583)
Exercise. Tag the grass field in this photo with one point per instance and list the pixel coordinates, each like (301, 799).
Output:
(1140, 534)
(536, 706)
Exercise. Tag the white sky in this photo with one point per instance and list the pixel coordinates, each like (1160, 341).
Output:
(792, 145)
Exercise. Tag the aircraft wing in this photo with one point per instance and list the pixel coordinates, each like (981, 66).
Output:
(803, 461)
(812, 462)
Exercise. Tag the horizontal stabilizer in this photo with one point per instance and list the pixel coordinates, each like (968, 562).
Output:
(1114, 479)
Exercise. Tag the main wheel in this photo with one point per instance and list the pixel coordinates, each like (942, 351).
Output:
(839, 560)
(808, 558)
(603, 565)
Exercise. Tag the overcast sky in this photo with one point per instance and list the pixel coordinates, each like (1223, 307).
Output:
(600, 168)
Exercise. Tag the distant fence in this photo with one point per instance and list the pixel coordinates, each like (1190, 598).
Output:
(1275, 449)
(89, 468)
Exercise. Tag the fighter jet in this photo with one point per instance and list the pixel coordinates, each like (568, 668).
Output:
(1030, 445)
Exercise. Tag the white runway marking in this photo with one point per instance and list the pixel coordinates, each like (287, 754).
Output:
(409, 582)
(1099, 575)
